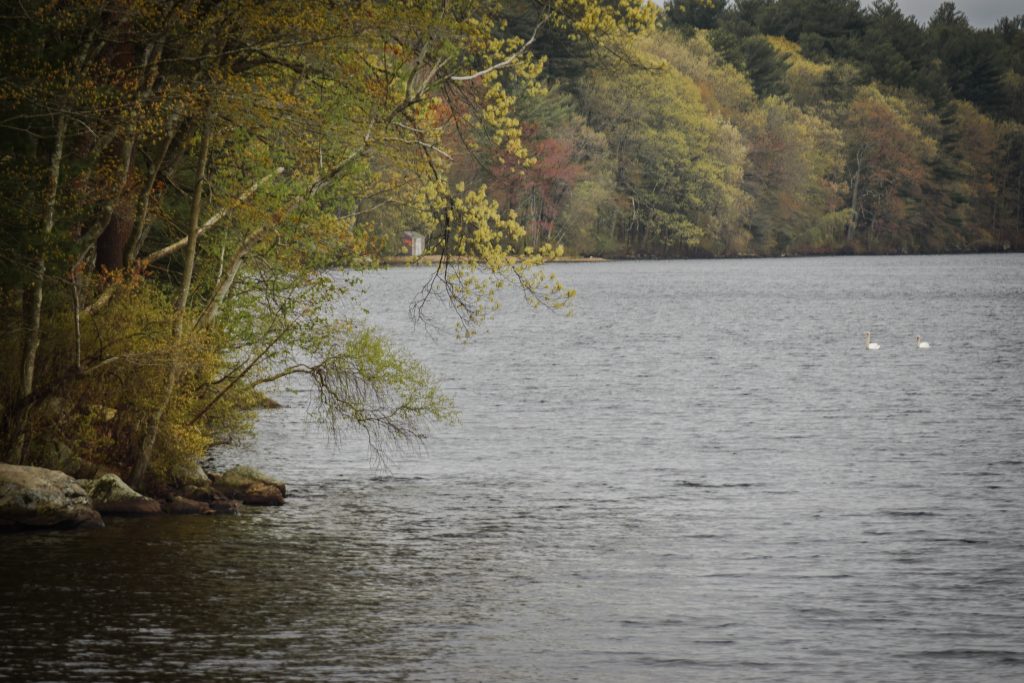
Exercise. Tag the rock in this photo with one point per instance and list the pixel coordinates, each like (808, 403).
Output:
(191, 482)
(191, 474)
(56, 455)
(217, 501)
(250, 486)
(242, 474)
(38, 497)
(88, 470)
(204, 493)
(225, 506)
(110, 495)
(186, 506)
(262, 494)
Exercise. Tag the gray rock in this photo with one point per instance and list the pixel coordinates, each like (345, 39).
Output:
(250, 486)
(38, 497)
(110, 495)
(191, 474)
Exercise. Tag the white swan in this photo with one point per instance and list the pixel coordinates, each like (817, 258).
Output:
(868, 344)
(922, 344)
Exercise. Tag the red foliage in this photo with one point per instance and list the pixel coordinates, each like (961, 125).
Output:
(538, 192)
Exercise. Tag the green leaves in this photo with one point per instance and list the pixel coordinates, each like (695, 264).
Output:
(679, 162)
(283, 138)
(362, 382)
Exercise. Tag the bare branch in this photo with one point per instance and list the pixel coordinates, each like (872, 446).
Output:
(506, 62)
(215, 218)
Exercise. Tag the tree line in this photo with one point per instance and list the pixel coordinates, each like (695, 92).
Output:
(775, 127)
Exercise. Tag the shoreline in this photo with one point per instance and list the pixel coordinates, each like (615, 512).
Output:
(434, 259)
(34, 498)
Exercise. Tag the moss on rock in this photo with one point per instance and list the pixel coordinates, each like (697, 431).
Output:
(39, 497)
(250, 486)
(110, 495)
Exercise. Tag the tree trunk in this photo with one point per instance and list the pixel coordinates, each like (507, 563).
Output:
(109, 234)
(141, 225)
(225, 283)
(34, 302)
(76, 301)
(141, 467)
(1020, 204)
(855, 196)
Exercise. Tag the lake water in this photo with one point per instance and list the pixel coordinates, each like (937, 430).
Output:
(702, 475)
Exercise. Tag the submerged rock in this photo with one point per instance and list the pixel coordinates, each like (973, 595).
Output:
(250, 486)
(224, 506)
(217, 501)
(38, 497)
(186, 506)
(110, 495)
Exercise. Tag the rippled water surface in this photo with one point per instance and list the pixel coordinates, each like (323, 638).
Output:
(702, 475)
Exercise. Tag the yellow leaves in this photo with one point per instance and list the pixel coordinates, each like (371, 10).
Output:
(507, 130)
(590, 20)
(345, 109)
(481, 249)
(884, 123)
(781, 44)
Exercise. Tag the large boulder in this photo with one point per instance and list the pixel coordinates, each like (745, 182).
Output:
(250, 486)
(38, 497)
(110, 495)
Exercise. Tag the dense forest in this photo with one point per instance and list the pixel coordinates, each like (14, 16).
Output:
(189, 188)
(775, 127)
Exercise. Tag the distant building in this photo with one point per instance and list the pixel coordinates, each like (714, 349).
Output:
(412, 243)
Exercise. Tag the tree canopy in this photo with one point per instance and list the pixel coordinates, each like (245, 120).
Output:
(177, 176)
(190, 188)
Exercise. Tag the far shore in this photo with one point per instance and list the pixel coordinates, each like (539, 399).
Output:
(434, 259)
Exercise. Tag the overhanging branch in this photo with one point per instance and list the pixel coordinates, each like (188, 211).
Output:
(506, 62)
(215, 218)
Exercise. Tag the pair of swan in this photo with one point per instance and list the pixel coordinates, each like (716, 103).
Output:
(874, 346)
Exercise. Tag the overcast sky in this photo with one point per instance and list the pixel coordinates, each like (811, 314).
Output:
(981, 13)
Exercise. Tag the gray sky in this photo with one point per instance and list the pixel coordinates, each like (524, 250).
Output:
(981, 13)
